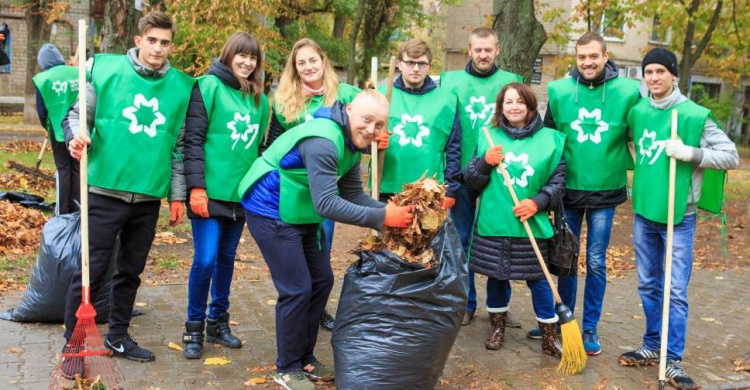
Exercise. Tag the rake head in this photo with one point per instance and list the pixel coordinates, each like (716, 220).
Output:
(85, 363)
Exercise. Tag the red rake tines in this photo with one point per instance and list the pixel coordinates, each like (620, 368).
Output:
(85, 361)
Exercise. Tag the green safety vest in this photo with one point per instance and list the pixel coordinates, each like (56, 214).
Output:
(421, 126)
(295, 201)
(596, 151)
(651, 127)
(346, 94)
(530, 162)
(476, 103)
(136, 125)
(59, 89)
(235, 129)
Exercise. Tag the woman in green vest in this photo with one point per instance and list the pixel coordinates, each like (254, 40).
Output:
(500, 247)
(308, 82)
(226, 120)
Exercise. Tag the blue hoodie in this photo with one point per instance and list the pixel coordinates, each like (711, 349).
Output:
(49, 56)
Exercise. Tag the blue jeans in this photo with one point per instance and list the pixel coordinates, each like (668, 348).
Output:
(498, 298)
(649, 239)
(327, 227)
(215, 242)
(599, 223)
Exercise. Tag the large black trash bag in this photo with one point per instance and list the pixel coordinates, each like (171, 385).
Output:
(396, 322)
(59, 257)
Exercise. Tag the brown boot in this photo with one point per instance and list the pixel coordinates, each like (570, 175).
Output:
(495, 339)
(550, 344)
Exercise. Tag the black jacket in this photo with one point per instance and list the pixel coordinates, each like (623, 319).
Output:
(591, 199)
(510, 258)
(196, 126)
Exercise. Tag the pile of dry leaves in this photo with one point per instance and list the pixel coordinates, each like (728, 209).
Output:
(18, 181)
(413, 243)
(20, 229)
(22, 146)
(86, 384)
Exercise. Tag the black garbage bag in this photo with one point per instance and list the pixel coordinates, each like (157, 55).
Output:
(396, 321)
(27, 200)
(59, 257)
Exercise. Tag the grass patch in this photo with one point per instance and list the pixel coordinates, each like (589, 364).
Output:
(167, 262)
(738, 184)
(13, 263)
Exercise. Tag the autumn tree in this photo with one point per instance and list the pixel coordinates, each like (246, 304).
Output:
(521, 36)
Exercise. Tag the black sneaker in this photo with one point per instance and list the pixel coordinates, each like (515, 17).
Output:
(677, 376)
(126, 347)
(326, 321)
(639, 357)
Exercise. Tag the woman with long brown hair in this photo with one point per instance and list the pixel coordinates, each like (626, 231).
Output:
(226, 121)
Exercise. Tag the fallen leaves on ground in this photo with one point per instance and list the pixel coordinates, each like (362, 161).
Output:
(25, 182)
(216, 361)
(743, 363)
(175, 346)
(23, 146)
(86, 384)
(20, 229)
(256, 381)
(168, 238)
(413, 243)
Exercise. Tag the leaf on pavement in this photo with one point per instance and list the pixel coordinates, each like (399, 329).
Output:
(217, 361)
(256, 381)
(175, 346)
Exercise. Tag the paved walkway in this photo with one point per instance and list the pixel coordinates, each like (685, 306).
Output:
(718, 333)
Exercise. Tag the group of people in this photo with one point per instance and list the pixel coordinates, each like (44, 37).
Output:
(291, 168)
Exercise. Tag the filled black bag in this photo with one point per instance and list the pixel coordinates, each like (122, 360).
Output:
(59, 257)
(563, 246)
(396, 322)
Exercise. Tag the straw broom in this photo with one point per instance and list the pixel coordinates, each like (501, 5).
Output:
(574, 357)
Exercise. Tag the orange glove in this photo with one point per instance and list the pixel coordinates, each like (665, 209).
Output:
(398, 216)
(199, 202)
(494, 155)
(383, 138)
(448, 202)
(177, 210)
(525, 209)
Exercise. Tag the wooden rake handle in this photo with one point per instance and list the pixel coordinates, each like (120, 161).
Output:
(84, 182)
(540, 258)
(388, 94)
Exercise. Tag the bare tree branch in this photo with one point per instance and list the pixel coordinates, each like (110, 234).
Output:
(709, 32)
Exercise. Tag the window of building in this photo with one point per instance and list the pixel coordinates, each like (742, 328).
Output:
(5, 48)
(657, 34)
(612, 24)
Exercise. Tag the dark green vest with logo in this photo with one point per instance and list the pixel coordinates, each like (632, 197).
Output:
(530, 162)
(136, 125)
(476, 103)
(59, 89)
(651, 128)
(595, 122)
(421, 126)
(346, 94)
(295, 201)
(235, 129)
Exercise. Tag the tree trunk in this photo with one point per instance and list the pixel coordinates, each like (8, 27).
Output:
(38, 34)
(351, 69)
(690, 57)
(521, 36)
(119, 27)
(339, 24)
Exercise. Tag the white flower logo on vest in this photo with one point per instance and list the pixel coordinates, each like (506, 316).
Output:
(59, 86)
(135, 125)
(482, 110)
(418, 121)
(528, 170)
(308, 117)
(242, 135)
(650, 147)
(601, 126)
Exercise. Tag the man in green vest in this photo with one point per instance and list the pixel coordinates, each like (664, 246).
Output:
(425, 136)
(56, 90)
(476, 89)
(700, 145)
(590, 108)
(309, 174)
(136, 109)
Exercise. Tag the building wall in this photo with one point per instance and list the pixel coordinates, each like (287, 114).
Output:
(64, 38)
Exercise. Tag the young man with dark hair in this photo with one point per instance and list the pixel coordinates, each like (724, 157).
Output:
(56, 90)
(136, 105)
(590, 107)
(476, 89)
(700, 145)
(425, 136)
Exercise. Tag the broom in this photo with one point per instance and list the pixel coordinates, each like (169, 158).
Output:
(85, 351)
(573, 359)
(668, 261)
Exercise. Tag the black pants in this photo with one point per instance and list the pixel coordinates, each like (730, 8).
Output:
(299, 261)
(68, 184)
(136, 224)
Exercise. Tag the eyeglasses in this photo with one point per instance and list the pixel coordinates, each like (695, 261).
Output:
(411, 64)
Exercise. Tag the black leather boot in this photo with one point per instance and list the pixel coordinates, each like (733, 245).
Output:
(218, 332)
(193, 339)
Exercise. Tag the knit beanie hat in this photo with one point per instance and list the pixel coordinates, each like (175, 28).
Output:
(660, 56)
